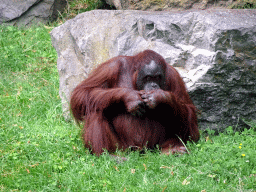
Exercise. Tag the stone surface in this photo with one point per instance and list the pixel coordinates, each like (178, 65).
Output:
(167, 5)
(27, 12)
(213, 50)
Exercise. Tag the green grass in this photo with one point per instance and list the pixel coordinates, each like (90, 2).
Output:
(244, 4)
(39, 151)
(79, 6)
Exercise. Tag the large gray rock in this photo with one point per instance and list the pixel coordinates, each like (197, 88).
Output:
(23, 13)
(213, 50)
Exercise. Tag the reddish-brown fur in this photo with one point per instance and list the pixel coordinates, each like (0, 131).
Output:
(106, 100)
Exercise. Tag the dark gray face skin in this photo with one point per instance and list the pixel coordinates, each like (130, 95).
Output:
(151, 77)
